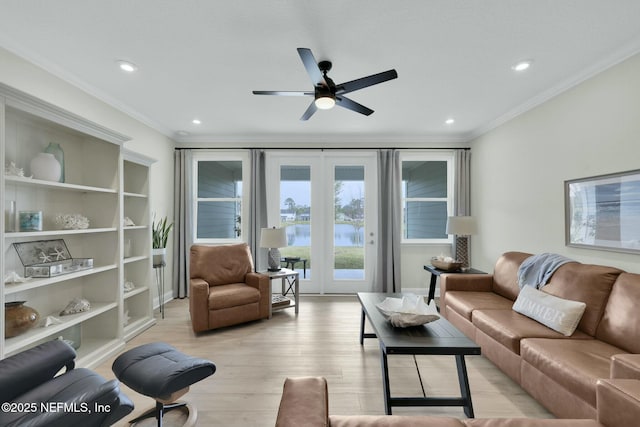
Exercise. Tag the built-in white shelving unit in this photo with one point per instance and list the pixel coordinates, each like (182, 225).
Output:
(104, 182)
(137, 265)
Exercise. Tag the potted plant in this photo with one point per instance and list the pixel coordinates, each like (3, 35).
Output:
(160, 232)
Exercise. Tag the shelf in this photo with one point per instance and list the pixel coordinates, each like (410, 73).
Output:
(12, 288)
(136, 291)
(137, 325)
(135, 259)
(139, 195)
(19, 180)
(94, 351)
(47, 233)
(135, 227)
(15, 344)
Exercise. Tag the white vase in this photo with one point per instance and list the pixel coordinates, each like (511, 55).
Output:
(159, 257)
(45, 166)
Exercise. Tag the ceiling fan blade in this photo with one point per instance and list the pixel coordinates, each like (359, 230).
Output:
(311, 65)
(282, 92)
(312, 109)
(363, 82)
(349, 104)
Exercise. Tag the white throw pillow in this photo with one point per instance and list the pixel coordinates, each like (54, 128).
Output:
(559, 314)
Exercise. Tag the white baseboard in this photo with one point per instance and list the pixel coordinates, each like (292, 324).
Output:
(168, 296)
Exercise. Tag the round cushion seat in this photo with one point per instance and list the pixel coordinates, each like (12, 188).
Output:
(158, 370)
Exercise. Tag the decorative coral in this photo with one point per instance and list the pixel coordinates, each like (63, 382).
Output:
(72, 221)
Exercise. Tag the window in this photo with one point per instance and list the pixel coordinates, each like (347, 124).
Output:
(220, 196)
(427, 195)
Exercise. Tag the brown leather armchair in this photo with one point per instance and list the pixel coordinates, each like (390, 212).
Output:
(224, 289)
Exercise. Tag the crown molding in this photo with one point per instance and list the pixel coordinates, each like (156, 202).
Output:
(322, 141)
(610, 61)
(77, 82)
(45, 110)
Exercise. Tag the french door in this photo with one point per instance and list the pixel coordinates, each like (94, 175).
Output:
(326, 201)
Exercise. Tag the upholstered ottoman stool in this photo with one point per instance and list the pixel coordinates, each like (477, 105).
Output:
(163, 373)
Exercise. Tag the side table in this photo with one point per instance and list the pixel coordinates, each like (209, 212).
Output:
(290, 280)
(291, 264)
(435, 272)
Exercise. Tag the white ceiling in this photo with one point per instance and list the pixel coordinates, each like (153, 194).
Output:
(202, 58)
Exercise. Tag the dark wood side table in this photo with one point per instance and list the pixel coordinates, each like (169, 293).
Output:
(435, 272)
(290, 263)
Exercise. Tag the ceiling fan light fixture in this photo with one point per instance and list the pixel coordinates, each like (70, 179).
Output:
(325, 102)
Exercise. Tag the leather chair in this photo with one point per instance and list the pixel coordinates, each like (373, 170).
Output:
(223, 288)
(33, 395)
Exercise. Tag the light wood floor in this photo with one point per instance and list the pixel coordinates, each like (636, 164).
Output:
(322, 340)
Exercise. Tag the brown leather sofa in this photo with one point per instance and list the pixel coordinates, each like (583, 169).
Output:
(224, 289)
(305, 402)
(558, 371)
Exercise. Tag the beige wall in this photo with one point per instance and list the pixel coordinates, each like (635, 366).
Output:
(23, 75)
(519, 168)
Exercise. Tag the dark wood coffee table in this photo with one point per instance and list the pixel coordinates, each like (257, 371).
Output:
(435, 338)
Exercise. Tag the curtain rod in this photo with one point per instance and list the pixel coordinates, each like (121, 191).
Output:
(323, 148)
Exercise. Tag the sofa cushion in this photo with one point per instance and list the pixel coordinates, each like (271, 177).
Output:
(559, 314)
(573, 363)
(392, 421)
(509, 328)
(235, 294)
(463, 302)
(620, 323)
(590, 284)
(505, 274)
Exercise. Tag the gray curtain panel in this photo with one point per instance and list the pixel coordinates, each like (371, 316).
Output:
(182, 222)
(387, 273)
(257, 208)
(462, 184)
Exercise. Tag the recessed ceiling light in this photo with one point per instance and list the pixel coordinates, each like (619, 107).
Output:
(196, 121)
(449, 121)
(182, 133)
(522, 65)
(127, 66)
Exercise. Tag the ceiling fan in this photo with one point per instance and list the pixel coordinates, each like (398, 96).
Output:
(326, 93)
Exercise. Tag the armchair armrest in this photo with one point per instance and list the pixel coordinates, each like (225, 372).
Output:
(625, 366)
(304, 402)
(26, 370)
(261, 283)
(466, 282)
(199, 304)
(618, 402)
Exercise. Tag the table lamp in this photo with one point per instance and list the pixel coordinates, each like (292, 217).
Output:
(273, 238)
(462, 227)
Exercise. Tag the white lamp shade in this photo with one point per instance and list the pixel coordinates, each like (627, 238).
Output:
(461, 225)
(273, 238)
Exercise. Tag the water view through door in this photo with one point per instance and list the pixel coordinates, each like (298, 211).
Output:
(327, 207)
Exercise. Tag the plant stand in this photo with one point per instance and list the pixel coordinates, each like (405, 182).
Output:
(159, 269)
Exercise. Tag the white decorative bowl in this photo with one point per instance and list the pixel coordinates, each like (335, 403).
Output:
(411, 310)
(446, 265)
